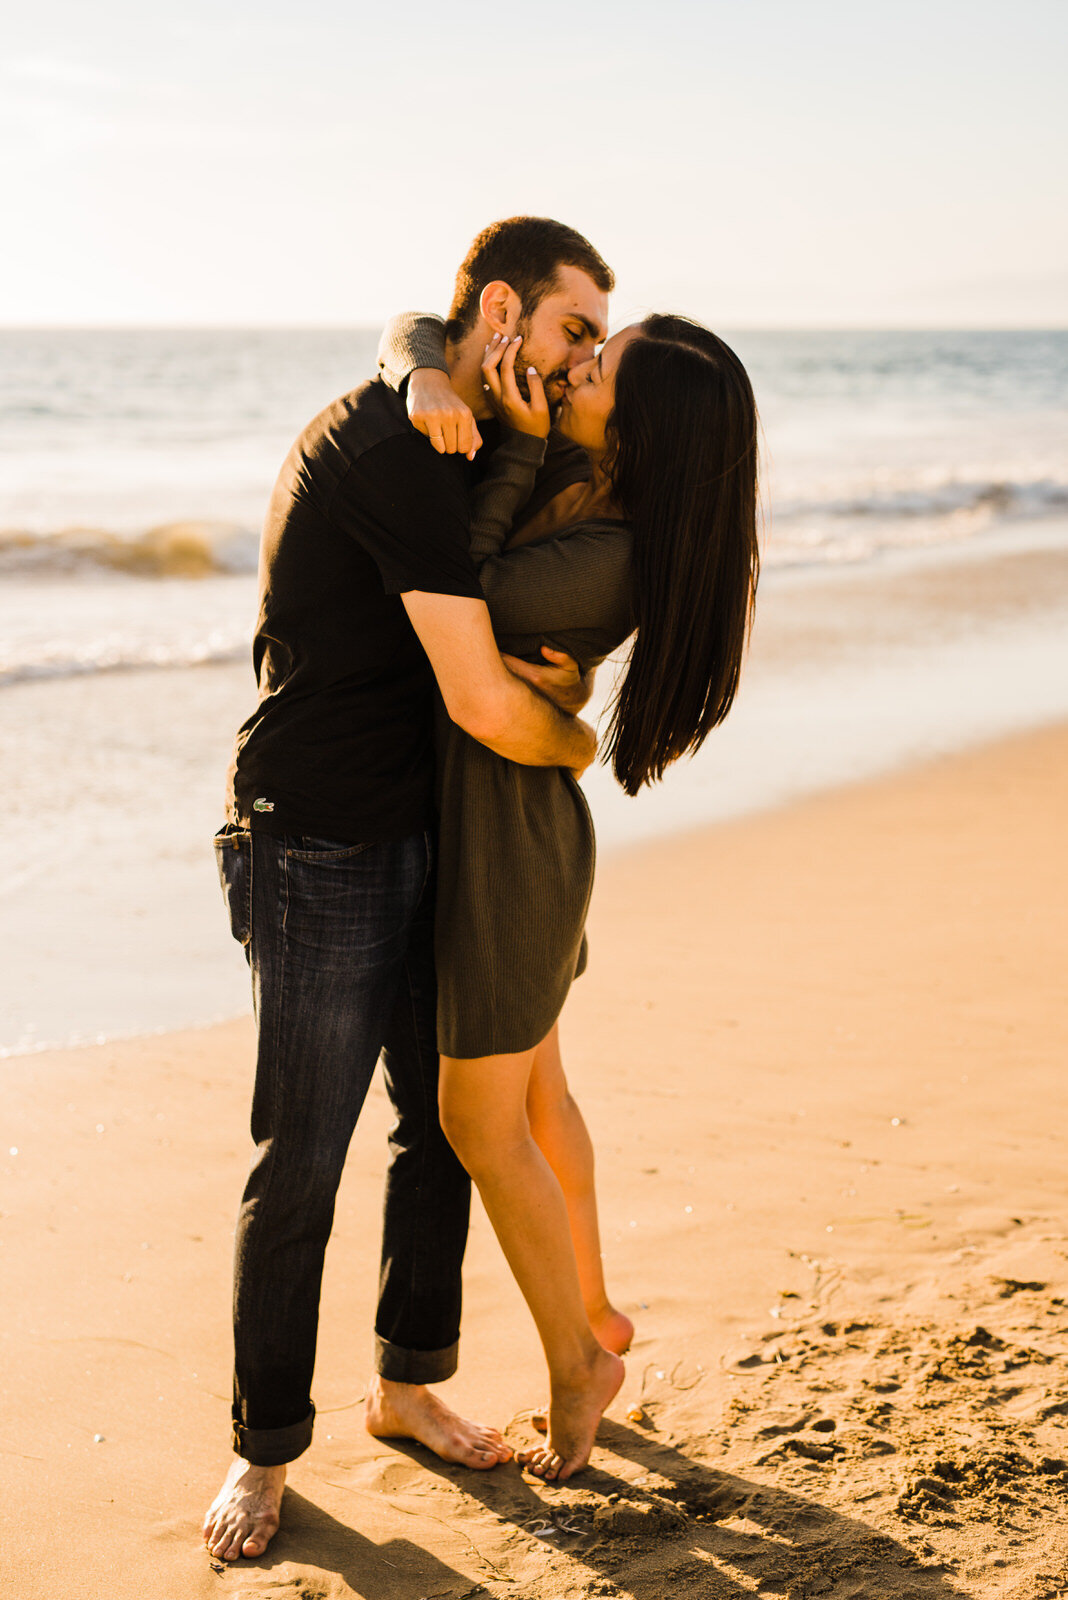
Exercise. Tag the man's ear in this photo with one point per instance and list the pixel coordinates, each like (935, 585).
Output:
(500, 307)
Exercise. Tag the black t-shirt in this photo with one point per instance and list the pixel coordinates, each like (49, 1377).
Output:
(340, 744)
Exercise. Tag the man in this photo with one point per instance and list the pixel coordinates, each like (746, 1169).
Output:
(368, 594)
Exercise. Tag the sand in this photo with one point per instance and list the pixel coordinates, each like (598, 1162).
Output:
(822, 1053)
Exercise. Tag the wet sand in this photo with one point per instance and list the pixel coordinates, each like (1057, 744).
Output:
(822, 1054)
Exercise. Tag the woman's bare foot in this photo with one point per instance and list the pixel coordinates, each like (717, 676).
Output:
(574, 1412)
(612, 1329)
(410, 1411)
(243, 1517)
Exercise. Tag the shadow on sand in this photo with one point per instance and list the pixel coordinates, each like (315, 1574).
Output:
(396, 1569)
(649, 1541)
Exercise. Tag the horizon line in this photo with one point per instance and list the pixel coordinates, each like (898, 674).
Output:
(375, 326)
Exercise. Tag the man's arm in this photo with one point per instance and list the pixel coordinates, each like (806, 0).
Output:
(483, 697)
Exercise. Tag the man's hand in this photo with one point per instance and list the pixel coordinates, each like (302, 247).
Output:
(589, 754)
(437, 410)
(483, 697)
(562, 682)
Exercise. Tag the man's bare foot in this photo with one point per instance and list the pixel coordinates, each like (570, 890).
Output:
(410, 1411)
(243, 1517)
(574, 1412)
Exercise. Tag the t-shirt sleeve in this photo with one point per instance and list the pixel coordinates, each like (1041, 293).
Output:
(408, 508)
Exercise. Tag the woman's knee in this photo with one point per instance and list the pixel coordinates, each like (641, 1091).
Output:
(555, 1109)
(479, 1117)
(457, 1122)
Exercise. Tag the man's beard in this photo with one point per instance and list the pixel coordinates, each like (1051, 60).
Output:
(551, 380)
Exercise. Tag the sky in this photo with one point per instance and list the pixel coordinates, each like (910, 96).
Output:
(756, 163)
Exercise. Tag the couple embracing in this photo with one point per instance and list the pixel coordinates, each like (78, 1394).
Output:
(408, 857)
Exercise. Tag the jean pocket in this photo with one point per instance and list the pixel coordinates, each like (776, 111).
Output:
(300, 847)
(233, 856)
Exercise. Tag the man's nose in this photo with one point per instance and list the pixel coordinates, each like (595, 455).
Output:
(581, 354)
(578, 370)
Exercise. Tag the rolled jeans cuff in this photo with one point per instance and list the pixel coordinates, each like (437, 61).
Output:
(398, 1365)
(273, 1447)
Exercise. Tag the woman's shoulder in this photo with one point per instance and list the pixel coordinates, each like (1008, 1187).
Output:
(609, 534)
(597, 553)
(604, 529)
(600, 525)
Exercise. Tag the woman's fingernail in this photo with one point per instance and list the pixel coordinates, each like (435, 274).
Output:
(532, 372)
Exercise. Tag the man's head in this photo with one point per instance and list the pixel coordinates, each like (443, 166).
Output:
(542, 280)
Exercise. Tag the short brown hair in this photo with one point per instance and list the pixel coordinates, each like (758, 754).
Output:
(527, 254)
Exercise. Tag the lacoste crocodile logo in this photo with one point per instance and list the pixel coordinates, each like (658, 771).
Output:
(262, 805)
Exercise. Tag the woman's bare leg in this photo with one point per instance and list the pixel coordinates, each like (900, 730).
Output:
(559, 1131)
(484, 1114)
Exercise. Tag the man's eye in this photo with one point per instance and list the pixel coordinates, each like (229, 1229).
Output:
(575, 334)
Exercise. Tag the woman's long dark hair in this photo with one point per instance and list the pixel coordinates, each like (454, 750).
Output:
(683, 466)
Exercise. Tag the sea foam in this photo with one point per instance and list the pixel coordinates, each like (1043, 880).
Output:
(172, 550)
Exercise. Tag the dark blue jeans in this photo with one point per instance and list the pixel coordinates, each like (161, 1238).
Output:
(339, 939)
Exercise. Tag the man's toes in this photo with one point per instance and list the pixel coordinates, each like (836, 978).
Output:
(491, 1443)
(254, 1545)
(221, 1547)
(489, 1440)
(233, 1540)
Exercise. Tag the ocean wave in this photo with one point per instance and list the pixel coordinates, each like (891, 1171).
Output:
(76, 661)
(171, 550)
(996, 497)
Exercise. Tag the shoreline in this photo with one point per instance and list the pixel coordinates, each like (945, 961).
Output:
(821, 1052)
(110, 908)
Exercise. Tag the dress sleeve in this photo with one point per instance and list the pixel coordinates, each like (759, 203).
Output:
(503, 492)
(412, 339)
(580, 579)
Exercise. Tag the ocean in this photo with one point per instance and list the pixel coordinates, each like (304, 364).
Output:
(135, 467)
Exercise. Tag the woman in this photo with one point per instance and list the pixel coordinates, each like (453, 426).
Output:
(661, 538)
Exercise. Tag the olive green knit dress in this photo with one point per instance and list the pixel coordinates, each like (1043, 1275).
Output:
(516, 843)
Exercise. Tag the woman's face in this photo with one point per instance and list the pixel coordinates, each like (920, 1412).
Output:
(590, 396)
